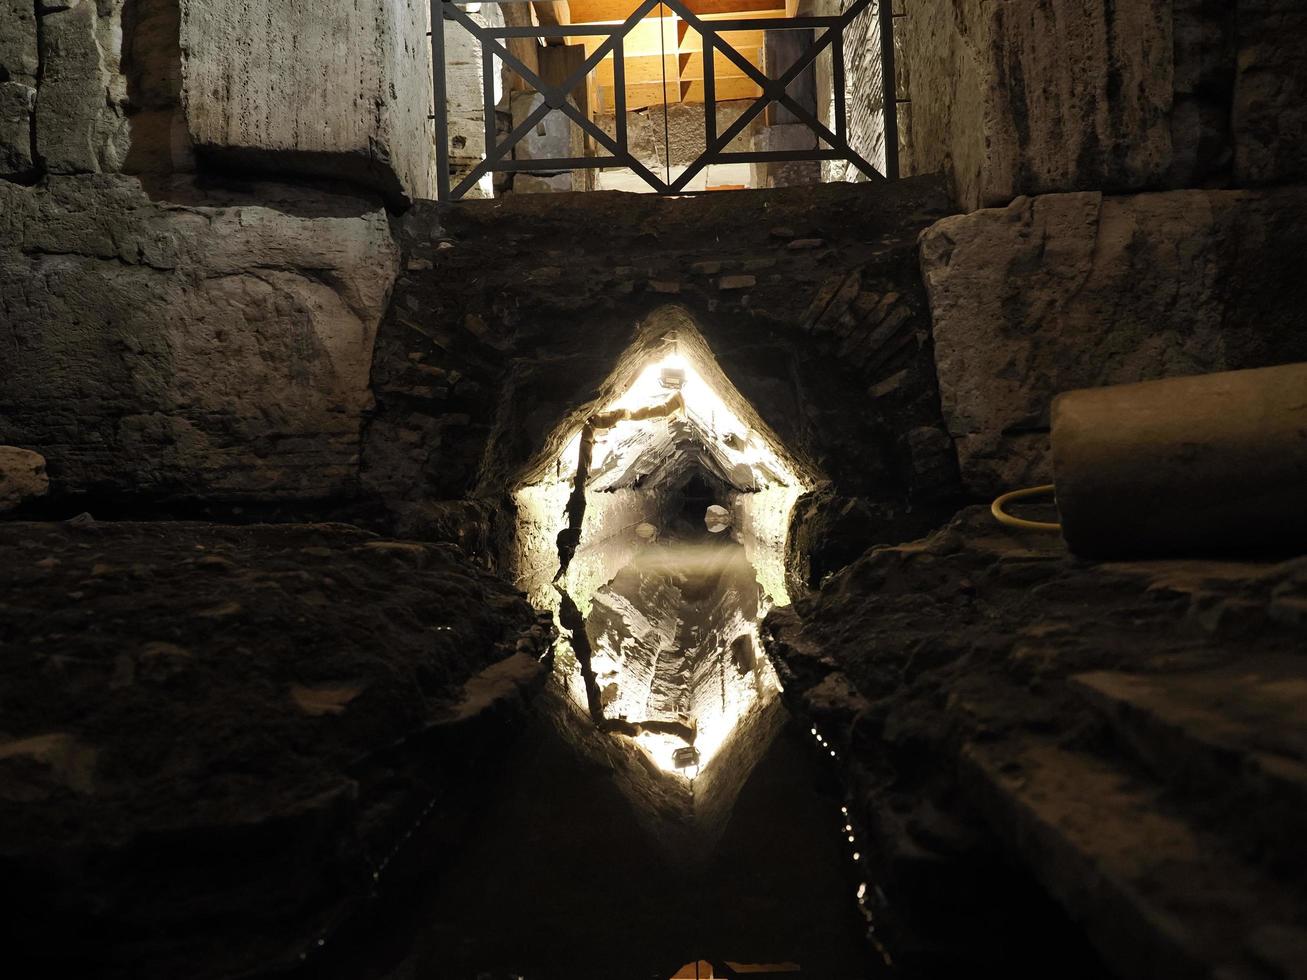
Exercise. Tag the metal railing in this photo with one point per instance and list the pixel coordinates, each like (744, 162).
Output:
(498, 156)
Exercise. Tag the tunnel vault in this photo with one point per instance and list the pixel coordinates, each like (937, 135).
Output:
(653, 522)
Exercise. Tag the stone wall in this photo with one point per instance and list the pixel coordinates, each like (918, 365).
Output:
(171, 333)
(20, 64)
(465, 98)
(339, 90)
(332, 89)
(1030, 97)
(1079, 290)
(217, 345)
(510, 313)
(864, 89)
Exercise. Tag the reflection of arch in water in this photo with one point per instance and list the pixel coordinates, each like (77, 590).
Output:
(621, 490)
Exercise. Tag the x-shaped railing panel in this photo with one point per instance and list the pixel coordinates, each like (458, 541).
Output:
(555, 97)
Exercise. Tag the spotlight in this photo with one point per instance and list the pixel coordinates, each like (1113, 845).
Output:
(672, 378)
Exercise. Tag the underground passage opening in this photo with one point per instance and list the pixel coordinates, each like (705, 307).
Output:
(656, 534)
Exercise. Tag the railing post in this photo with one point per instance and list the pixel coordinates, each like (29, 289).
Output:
(441, 107)
(889, 88)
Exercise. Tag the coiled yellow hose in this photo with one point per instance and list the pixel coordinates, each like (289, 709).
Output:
(996, 508)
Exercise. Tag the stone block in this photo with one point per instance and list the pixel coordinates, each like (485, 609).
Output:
(542, 183)
(22, 476)
(1270, 93)
(219, 344)
(465, 97)
(81, 119)
(1030, 97)
(17, 103)
(334, 89)
(19, 60)
(1081, 290)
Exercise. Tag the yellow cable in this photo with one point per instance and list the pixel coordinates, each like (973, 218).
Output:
(996, 508)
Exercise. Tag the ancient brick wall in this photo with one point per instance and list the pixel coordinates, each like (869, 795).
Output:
(508, 314)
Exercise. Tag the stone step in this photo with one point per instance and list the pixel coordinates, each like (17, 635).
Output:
(1234, 739)
(1156, 896)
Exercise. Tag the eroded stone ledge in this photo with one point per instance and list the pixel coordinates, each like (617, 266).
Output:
(1079, 290)
(214, 737)
(190, 338)
(1126, 733)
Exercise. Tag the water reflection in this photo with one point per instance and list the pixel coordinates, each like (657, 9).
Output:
(672, 642)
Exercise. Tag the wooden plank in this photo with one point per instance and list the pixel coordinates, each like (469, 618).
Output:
(646, 94)
(524, 48)
(600, 11)
(650, 69)
(554, 12)
(557, 62)
(644, 40)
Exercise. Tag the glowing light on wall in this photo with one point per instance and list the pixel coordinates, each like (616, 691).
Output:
(616, 531)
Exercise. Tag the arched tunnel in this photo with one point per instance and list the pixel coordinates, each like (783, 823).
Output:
(658, 534)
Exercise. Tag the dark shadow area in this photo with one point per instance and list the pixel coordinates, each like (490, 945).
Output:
(562, 877)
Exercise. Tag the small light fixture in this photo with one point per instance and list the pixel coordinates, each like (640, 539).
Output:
(685, 757)
(672, 378)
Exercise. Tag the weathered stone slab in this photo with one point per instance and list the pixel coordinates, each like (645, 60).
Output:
(216, 345)
(146, 666)
(18, 54)
(18, 68)
(81, 122)
(22, 476)
(1030, 97)
(1166, 822)
(1270, 95)
(1081, 290)
(332, 89)
(17, 103)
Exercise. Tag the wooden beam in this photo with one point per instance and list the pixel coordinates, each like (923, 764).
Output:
(558, 62)
(644, 95)
(552, 12)
(651, 69)
(525, 49)
(644, 41)
(602, 11)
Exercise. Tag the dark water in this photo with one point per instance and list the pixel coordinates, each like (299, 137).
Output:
(557, 878)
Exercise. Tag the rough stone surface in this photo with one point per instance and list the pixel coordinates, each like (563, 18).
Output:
(478, 364)
(218, 344)
(22, 476)
(81, 119)
(19, 65)
(1080, 290)
(19, 58)
(1270, 92)
(685, 132)
(1028, 97)
(341, 90)
(17, 103)
(212, 737)
(465, 95)
(1125, 733)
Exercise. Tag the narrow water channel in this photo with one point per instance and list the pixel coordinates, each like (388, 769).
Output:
(585, 855)
(563, 875)
(659, 814)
